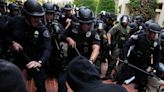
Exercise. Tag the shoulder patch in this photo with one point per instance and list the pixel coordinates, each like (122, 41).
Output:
(135, 37)
(46, 33)
(97, 37)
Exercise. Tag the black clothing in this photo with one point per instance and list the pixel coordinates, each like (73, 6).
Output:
(84, 77)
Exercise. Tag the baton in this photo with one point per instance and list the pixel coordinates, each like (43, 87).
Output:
(139, 69)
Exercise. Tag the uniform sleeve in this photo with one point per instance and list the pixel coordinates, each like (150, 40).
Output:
(96, 38)
(46, 47)
(113, 30)
(156, 56)
(131, 41)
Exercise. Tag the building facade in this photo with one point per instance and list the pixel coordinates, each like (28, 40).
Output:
(124, 9)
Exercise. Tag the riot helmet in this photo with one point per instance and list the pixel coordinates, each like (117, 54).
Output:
(34, 13)
(85, 15)
(124, 20)
(33, 8)
(154, 27)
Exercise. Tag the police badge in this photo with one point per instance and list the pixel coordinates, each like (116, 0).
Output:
(36, 34)
(88, 34)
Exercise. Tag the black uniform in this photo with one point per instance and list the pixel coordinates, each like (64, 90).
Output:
(140, 56)
(62, 20)
(91, 82)
(36, 45)
(3, 40)
(84, 42)
(57, 55)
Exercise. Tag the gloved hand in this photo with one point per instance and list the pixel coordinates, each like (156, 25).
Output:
(126, 61)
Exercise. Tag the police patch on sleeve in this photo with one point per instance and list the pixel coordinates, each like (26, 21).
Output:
(46, 33)
(97, 37)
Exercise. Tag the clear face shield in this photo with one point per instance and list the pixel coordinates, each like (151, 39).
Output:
(125, 21)
(100, 26)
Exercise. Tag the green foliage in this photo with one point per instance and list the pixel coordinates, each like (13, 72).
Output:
(107, 5)
(88, 3)
(145, 8)
(11, 0)
(97, 5)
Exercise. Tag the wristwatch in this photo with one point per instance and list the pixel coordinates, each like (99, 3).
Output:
(40, 62)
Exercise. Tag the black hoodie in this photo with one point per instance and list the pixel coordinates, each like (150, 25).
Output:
(11, 79)
(83, 77)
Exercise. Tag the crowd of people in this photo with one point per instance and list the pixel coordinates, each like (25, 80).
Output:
(75, 46)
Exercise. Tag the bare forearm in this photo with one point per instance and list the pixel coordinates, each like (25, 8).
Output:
(95, 52)
(109, 38)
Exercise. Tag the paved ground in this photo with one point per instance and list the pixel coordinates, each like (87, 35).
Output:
(52, 86)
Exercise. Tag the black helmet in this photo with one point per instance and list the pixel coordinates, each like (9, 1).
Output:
(133, 26)
(3, 3)
(111, 16)
(33, 8)
(85, 15)
(49, 7)
(147, 23)
(124, 19)
(67, 7)
(56, 7)
(162, 36)
(154, 27)
(139, 18)
(13, 6)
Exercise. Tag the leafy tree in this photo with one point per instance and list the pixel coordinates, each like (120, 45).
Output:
(11, 0)
(97, 5)
(88, 3)
(107, 5)
(145, 8)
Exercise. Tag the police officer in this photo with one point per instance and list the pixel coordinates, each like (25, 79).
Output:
(139, 20)
(66, 18)
(31, 42)
(102, 15)
(84, 41)
(110, 18)
(117, 35)
(4, 18)
(56, 31)
(159, 68)
(3, 6)
(14, 9)
(103, 52)
(133, 28)
(144, 45)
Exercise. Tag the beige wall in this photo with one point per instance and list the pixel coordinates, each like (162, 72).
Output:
(123, 9)
(160, 20)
